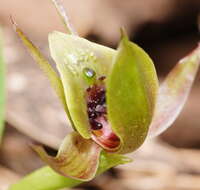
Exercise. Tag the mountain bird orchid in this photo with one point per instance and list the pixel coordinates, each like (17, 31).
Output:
(112, 98)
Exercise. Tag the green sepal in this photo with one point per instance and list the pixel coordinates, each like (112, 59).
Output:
(53, 77)
(131, 95)
(72, 55)
(77, 157)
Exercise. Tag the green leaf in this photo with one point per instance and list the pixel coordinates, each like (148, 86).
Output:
(77, 157)
(45, 67)
(174, 91)
(73, 55)
(47, 179)
(2, 88)
(131, 95)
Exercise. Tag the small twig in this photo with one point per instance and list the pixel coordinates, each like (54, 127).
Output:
(63, 15)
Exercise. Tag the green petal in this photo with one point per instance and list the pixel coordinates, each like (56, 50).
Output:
(77, 157)
(174, 91)
(44, 65)
(131, 95)
(73, 55)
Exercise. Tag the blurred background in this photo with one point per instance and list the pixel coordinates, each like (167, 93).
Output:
(166, 29)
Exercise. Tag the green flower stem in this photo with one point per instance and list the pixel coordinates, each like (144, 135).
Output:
(47, 179)
(44, 179)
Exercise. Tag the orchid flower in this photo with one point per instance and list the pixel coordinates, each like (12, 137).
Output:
(112, 98)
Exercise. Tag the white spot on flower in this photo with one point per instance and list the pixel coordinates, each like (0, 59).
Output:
(72, 58)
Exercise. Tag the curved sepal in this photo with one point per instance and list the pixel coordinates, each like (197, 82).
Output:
(174, 91)
(44, 65)
(74, 56)
(131, 95)
(77, 157)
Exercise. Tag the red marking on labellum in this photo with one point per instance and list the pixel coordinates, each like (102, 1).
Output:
(105, 137)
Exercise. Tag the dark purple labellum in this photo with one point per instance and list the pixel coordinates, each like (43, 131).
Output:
(96, 105)
(97, 113)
